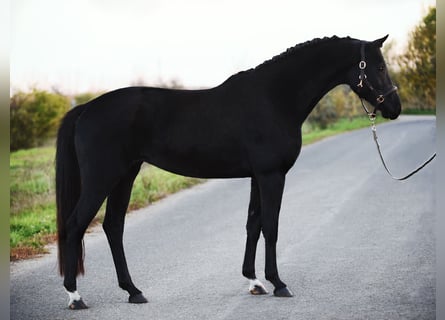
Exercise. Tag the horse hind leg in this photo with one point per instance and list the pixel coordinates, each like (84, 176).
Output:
(84, 212)
(96, 186)
(117, 204)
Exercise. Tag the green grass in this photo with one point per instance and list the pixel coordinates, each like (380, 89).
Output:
(311, 135)
(153, 184)
(32, 199)
(419, 111)
(30, 228)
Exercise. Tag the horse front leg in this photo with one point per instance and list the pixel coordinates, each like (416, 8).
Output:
(271, 191)
(117, 204)
(253, 228)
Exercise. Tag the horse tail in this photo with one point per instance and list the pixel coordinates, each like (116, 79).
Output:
(67, 183)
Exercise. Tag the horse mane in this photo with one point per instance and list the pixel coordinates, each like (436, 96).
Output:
(289, 52)
(297, 48)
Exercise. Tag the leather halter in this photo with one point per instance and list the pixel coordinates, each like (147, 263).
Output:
(379, 98)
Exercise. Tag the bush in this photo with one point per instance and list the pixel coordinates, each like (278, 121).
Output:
(35, 117)
(82, 98)
(324, 114)
(325, 111)
(340, 102)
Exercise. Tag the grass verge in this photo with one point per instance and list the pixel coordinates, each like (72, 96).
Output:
(311, 135)
(32, 199)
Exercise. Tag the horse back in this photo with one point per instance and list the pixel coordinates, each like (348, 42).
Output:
(211, 133)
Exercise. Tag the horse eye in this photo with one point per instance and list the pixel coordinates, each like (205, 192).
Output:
(382, 68)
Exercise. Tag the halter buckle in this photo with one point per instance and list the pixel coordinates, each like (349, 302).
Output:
(362, 65)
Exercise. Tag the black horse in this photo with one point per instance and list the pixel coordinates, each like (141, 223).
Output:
(249, 126)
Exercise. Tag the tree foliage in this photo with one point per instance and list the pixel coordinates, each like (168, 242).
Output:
(84, 97)
(417, 75)
(341, 102)
(34, 117)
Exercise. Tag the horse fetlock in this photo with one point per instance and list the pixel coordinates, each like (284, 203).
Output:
(272, 277)
(249, 273)
(69, 285)
(276, 281)
(130, 288)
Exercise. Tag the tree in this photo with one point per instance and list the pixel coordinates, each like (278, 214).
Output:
(35, 117)
(82, 98)
(341, 102)
(417, 75)
(325, 112)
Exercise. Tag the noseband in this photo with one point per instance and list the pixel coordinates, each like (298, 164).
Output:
(379, 98)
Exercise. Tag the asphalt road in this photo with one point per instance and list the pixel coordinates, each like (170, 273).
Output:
(353, 244)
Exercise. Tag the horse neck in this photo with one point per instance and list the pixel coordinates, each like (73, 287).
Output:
(300, 80)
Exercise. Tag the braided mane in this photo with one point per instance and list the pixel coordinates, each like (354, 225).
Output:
(289, 52)
(298, 47)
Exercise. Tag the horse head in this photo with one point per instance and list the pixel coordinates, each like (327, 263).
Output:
(370, 80)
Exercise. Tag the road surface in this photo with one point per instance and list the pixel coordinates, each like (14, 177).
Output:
(353, 244)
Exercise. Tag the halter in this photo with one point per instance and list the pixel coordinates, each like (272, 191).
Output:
(379, 98)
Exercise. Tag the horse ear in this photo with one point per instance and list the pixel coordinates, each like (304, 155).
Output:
(379, 42)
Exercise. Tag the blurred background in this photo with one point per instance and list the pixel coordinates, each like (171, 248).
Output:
(97, 45)
(64, 53)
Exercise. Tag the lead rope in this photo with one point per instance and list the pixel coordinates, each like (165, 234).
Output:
(372, 117)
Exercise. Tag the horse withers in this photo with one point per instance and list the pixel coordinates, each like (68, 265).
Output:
(249, 126)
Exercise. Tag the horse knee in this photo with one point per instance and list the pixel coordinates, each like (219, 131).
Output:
(270, 237)
(253, 227)
(253, 234)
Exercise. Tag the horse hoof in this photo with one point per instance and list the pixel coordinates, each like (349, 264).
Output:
(258, 290)
(78, 305)
(283, 293)
(256, 287)
(137, 298)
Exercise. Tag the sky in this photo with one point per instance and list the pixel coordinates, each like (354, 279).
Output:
(76, 46)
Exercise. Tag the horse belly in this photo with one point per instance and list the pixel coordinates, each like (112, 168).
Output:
(201, 161)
